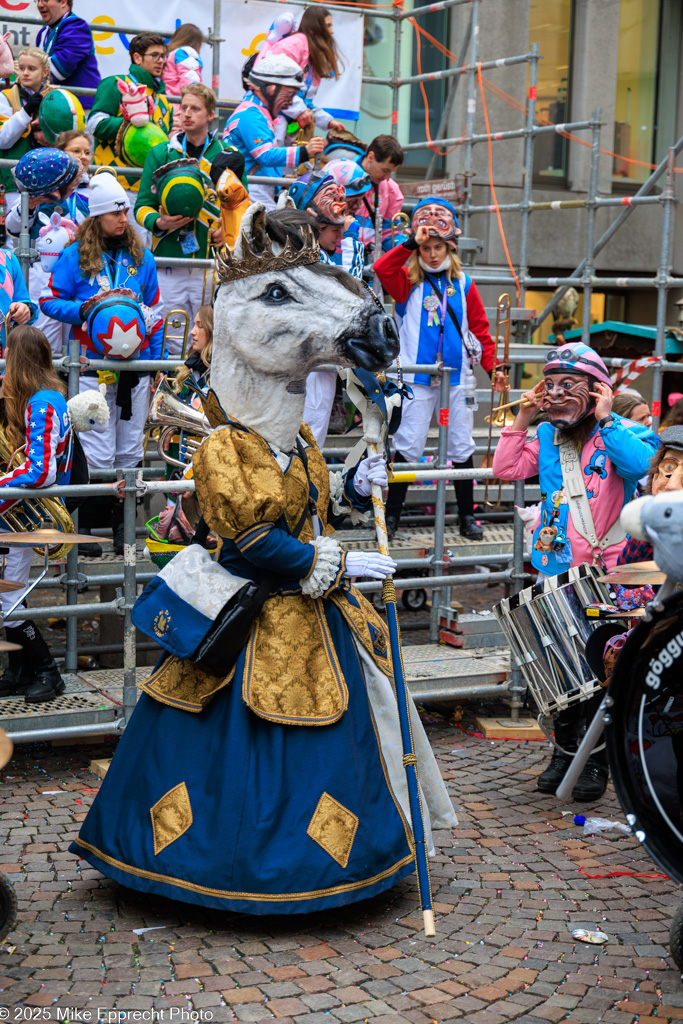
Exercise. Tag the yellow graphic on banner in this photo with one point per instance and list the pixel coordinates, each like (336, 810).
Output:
(255, 44)
(103, 19)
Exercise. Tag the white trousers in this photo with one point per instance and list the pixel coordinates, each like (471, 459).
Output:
(263, 194)
(411, 436)
(120, 444)
(320, 391)
(55, 331)
(183, 288)
(17, 568)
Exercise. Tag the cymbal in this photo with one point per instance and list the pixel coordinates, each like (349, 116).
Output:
(7, 585)
(624, 576)
(6, 748)
(39, 538)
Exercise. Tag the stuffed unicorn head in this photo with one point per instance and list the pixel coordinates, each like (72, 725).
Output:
(53, 237)
(136, 106)
(6, 56)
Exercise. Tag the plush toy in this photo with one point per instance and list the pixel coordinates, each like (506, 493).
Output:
(89, 410)
(136, 106)
(53, 237)
(546, 538)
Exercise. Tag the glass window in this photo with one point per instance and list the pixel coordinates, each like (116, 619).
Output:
(378, 58)
(634, 128)
(550, 25)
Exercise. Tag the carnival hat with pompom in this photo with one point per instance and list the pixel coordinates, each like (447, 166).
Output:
(179, 186)
(60, 111)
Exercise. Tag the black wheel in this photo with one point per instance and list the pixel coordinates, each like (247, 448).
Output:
(8, 907)
(376, 598)
(414, 600)
(676, 937)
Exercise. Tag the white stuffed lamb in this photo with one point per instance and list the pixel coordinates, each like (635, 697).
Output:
(89, 410)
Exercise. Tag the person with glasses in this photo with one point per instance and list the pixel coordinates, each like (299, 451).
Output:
(148, 55)
(68, 42)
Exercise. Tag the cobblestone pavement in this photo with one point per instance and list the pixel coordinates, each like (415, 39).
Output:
(509, 884)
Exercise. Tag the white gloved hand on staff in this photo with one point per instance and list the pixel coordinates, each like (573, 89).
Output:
(372, 470)
(369, 563)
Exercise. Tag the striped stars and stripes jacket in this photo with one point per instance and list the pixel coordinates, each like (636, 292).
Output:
(49, 444)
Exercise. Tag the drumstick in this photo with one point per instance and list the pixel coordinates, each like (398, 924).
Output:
(518, 401)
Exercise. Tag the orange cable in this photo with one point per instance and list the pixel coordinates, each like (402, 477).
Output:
(493, 188)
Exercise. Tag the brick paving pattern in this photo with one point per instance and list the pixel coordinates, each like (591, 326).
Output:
(509, 885)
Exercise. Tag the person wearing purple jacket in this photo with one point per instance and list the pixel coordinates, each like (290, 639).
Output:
(68, 42)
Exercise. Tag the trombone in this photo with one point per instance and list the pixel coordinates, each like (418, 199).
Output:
(498, 416)
(176, 320)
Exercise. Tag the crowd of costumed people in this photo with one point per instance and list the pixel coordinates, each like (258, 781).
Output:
(100, 233)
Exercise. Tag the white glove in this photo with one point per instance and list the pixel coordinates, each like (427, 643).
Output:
(372, 470)
(369, 563)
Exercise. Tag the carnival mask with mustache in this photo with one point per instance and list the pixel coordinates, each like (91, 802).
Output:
(567, 398)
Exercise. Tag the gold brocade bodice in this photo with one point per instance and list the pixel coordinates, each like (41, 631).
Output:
(292, 674)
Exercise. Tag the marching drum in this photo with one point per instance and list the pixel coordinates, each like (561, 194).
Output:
(644, 733)
(547, 630)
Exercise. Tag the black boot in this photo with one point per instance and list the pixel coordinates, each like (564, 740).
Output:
(48, 682)
(549, 780)
(464, 495)
(566, 735)
(117, 526)
(592, 782)
(18, 676)
(395, 499)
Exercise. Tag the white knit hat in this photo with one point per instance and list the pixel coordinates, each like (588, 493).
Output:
(106, 195)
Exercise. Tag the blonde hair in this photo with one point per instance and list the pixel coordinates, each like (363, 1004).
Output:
(205, 314)
(39, 55)
(206, 95)
(416, 274)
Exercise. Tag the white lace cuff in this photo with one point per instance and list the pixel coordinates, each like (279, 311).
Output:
(326, 569)
(340, 504)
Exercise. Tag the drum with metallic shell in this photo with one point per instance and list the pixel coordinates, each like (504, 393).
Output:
(547, 629)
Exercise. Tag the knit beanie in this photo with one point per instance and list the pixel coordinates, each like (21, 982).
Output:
(106, 195)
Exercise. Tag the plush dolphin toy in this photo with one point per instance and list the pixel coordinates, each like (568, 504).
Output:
(659, 519)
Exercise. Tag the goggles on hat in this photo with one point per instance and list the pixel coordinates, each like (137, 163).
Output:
(615, 643)
(438, 219)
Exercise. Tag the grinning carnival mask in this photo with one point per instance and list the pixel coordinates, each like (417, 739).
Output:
(438, 215)
(571, 373)
(322, 196)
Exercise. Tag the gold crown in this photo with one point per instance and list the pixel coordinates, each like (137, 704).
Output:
(257, 256)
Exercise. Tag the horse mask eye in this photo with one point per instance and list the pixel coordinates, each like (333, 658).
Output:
(276, 293)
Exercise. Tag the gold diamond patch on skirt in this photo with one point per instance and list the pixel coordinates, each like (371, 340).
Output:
(171, 817)
(334, 828)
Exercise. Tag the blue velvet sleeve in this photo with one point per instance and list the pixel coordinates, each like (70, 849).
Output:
(272, 548)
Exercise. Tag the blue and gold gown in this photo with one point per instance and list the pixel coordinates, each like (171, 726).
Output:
(279, 789)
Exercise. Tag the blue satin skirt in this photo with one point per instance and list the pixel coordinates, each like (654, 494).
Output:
(224, 809)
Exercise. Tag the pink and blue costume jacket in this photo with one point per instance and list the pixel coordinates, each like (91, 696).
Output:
(613, 459)
(388, 196)
(251, 129)
(183, 67)
(49, 442)
(296, 47)
(70, 47)
(68, 289)
(12, 289)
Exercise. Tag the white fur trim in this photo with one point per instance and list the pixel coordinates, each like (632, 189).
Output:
(326, 568)
(340, 505)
